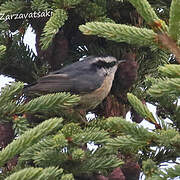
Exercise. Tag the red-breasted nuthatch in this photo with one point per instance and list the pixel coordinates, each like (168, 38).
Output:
(90, 78)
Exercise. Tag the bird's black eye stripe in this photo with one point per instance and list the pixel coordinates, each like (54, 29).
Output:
(104, 64)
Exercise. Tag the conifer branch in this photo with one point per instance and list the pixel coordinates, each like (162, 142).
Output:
(2, 50)
(152, 171)
(92, 11)
(127, 144)
(40, 5)
(173, 172)
(78, 154)
(44, 147)
(69, 148)
(149, 168)
(141, 108)
(9, 92)
(134, 137)
(91, 134)
(52, 27)
(4, 27)
(147, 12)
(125, 127)
(29, 138)
(47, 104)
(20, 125)
(51, 103)
(8, 110)
(174, 20)
(20, 53)
(169, 139)
(168, 43)
(11, 7)
(36, 173)
(101, 163)
(170, 70)
(166, 86)
(70, 129)
(45, 158)
(67, 177)
(120, 33)
(66, 4)
(160, 57)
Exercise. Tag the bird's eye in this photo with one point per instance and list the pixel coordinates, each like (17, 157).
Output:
(104, 64)
(113, 63)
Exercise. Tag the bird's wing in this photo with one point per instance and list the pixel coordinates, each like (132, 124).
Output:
(77, 84)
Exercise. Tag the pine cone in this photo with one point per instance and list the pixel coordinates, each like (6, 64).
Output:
(6, 134)
(117, 174)
(131, 169)
(125, 76)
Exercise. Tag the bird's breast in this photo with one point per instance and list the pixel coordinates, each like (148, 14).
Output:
(91, 100)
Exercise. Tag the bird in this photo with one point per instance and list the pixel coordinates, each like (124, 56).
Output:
(90, 78)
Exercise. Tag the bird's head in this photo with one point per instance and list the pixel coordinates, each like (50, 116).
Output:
(109, 64)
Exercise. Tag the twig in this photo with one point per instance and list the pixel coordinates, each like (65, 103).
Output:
(170, 44)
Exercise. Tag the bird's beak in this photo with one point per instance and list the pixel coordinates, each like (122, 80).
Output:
(121, 61)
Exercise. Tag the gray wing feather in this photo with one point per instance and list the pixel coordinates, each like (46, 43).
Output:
(75, 80)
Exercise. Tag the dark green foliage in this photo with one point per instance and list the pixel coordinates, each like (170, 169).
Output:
(20, 59)
(49, 141)
(37, 173)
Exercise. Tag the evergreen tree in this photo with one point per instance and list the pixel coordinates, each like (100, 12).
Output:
(41, 137)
